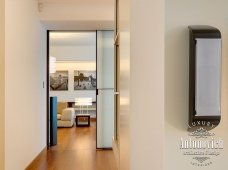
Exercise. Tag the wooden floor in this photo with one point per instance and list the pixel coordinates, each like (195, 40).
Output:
(76, 150)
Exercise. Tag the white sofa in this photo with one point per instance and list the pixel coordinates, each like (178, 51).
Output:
(66, 118)
(65, 115)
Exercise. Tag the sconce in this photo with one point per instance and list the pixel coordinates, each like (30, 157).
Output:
(205, 57)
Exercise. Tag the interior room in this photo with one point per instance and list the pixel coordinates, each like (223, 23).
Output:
(74, 57)
(152, 50)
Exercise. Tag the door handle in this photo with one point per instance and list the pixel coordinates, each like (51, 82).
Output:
(116, 93)
(97, 90)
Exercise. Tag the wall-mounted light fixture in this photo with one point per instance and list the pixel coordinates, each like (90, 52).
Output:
(205, 57)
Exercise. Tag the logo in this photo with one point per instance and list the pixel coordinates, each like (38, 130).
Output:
(201, 145)
(201, 123)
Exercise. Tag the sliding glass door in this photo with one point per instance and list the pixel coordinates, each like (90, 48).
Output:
(105, 88)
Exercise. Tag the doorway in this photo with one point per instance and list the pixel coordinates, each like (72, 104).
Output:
(84, 68)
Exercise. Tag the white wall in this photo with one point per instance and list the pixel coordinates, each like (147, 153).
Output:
(80, 10)
(147, 85)
(25, 120)
(2, 85)
(74, 57)
(73, 53)
(124, 84)
(71, 94)
(180, 14)
(78, 15)
(141, 84)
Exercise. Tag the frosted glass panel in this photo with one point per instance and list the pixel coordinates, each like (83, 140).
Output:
(105, 86)
(105, 59)
(105, 118)
(208, 77)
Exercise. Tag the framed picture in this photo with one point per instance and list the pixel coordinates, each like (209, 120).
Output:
(59, 81)
(84, 80)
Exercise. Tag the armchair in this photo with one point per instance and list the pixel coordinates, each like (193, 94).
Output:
(65, 115)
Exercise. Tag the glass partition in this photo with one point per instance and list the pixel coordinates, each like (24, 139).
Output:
(105, 88)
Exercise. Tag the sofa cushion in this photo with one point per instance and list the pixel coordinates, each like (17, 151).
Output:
(59, 116)
(61, 123)
(61, 106)
(67, 114)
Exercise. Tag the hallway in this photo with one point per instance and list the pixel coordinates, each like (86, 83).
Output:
(76, 151)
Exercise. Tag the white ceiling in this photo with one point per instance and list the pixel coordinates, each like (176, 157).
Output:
(73, 38)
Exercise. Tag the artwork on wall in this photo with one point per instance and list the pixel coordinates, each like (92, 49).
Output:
(84, 80)
(59, 81)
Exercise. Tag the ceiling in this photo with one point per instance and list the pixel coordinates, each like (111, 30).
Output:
(73, 38)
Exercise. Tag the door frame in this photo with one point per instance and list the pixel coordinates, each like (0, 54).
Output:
(47, 94)
(48, 84)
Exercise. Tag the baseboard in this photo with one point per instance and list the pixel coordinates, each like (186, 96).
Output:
(116, 152)
(36, 159)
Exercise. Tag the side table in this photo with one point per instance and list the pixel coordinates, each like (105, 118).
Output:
(82, 120)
